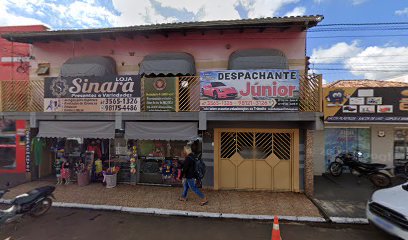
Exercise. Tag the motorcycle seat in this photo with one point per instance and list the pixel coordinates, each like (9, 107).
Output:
(373, 165)
(32, 195)
(26, 197)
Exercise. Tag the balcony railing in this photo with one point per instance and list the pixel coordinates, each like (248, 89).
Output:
(28, 96)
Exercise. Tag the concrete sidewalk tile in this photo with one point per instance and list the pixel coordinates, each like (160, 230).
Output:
(148, 199)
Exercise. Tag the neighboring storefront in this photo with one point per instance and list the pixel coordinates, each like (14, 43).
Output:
(370, 120)
(13, 143)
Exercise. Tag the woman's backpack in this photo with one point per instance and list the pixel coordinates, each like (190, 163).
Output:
(200, 167)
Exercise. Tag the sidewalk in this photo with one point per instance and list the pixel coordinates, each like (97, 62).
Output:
(225, 202)
(344, 196)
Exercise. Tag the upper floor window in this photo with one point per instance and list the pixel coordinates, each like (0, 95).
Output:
(168, 64)
(257, 59)
(89, 66)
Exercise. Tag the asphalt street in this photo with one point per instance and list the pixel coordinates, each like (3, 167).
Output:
(64, 224)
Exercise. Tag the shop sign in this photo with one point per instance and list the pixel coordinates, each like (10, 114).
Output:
(250, 90)
(160, 94)
(387, 104)
(92, 94)
(28, 150)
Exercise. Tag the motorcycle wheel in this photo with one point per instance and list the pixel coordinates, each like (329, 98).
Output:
(380, 180)
(41, 207)
(336, 169)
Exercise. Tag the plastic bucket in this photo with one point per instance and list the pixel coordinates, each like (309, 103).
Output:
(83, 179)
(110, 180)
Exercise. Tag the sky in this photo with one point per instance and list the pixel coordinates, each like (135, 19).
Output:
(361, 53)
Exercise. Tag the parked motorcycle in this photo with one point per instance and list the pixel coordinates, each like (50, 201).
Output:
(377, 173)
(34, 203)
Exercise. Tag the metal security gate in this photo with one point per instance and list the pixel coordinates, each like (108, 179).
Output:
(257, 159)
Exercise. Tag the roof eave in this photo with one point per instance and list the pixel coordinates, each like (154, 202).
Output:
(31, 37)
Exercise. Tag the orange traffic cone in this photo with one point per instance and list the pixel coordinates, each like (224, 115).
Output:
(275, 230)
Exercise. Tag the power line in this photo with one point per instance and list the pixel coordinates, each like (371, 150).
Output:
(361, 24)
(359, 70)
(346, 57)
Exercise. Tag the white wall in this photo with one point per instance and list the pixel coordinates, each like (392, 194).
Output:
(382, 148)
(318, 153)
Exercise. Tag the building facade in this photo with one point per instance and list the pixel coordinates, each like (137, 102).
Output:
(364, 116)
(14, 66)
(239, 90)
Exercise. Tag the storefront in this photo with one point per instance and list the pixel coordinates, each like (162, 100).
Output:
(160, 149)
(370, 120)
(74, 146)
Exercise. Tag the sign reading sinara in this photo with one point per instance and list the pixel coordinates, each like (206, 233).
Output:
(92, 94)
(250, 90)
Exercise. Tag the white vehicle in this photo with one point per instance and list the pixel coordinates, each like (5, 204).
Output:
(388, 210)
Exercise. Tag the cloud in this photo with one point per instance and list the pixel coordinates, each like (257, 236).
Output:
(160, 11)
(379, 62)
(297, 11)
(402, 12)
(9, 19)
(264, 8)
(358, 2)
(62, 14)
(336, 53)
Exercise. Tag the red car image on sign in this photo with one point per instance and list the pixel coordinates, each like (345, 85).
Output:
(218, 90)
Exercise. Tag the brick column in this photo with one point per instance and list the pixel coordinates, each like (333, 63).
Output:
(309, 188)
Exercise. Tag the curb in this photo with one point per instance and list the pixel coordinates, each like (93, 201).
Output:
(321, 209)
(168, 212)
(347, 220)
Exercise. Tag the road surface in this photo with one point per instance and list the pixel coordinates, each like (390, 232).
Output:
(77, 224)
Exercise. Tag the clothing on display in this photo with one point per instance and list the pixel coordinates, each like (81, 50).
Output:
(37, 146)
(96, 149)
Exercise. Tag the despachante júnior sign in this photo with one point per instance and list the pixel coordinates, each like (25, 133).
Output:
(250, 90)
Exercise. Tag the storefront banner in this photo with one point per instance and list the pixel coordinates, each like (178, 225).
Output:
(160, 94)
(387, 104)
(250, 90)
(92, 94)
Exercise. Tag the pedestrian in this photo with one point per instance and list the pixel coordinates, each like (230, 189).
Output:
(189, 175)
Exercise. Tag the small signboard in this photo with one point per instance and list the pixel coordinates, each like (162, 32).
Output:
(160, 94)
(380, 104)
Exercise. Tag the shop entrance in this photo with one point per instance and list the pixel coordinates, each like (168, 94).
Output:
(257, 159)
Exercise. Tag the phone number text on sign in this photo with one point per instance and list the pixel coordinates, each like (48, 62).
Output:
(208, 103)
(92, 105)
(120, 105)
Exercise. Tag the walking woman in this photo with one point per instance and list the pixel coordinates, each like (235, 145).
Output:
(189, 176)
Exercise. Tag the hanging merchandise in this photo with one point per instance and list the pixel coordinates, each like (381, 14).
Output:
(58, 165)
(94, 147)
(98, 166)
(133, 157)
(37, 146)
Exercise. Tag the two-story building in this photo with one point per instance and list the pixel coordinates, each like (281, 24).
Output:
(240, 87)
(14, 66)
